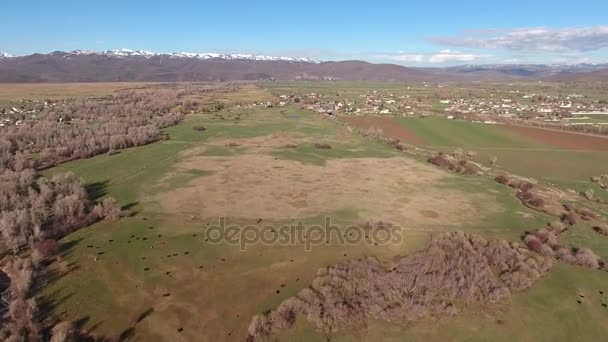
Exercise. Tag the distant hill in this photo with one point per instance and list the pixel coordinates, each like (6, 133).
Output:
(81, 66)
(591, 76)
(523, 71)
(138, 65)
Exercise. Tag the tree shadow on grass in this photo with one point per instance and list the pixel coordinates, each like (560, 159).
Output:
(96, 190)
(48, 303)
(129, 332)
(129, 206)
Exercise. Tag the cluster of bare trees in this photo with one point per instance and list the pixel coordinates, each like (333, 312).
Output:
(20, 322)
(20, 315)
(601, 180)
(456, 269)
(453, 163)
(545, 240)
(377, 134)
(35, 211)
(86, 127)
(525, 192)
(34, 208)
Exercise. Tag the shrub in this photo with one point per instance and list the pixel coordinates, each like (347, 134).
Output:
(458, 153)
(565, 254)
(533, 242)
(45, 248)
(601, 228)
(586, 214)
(62, 332)
(502, 179)
(530, 199)
(322, 146)
(21, 319)
(586, 258)
(570, 218)
(111, 210)
(199, 128)
(557, 226)
(21, 273)
(374, 133)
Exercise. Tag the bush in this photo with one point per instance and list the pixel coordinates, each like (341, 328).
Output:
(322, 146)
(586, 258)
(589, 194)
(530, 199)
(570, 218)
(586, 214)
(502, 179)
(20, 318)
(46, 248)
(601, 228)
(199, 128)
(533, 242)
(62, 332)
(557, 226)
(110, 209)
(459, 166)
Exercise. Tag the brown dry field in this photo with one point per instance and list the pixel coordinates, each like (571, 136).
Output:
(389, 125)
(253, 186)
(16, 91)
(566, 140)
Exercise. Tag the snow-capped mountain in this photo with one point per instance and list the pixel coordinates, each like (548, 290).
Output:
(204, 55)
(5, 55)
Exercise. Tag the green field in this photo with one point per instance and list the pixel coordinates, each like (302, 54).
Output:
(515, 152)
(158, 261)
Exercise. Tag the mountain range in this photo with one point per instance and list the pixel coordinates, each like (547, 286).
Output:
(141, 65)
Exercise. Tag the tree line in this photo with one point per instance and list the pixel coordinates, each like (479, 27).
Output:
(36, 211)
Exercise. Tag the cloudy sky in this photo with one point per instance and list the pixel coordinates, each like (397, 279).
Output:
(421, 33)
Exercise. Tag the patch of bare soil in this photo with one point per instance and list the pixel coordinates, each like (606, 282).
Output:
(256, 186)
(389, 125)
(429, 213)
(272, 141)
(455, 270)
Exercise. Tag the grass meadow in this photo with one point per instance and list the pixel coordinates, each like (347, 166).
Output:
(158, 265)
(515, 152)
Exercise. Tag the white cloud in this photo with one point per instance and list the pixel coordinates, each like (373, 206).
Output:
(403, 57)
(534, 39)
(443, 56)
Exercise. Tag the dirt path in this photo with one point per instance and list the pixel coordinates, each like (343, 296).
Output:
(389, 125)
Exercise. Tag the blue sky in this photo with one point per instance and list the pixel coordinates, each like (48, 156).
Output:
(420, 33)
